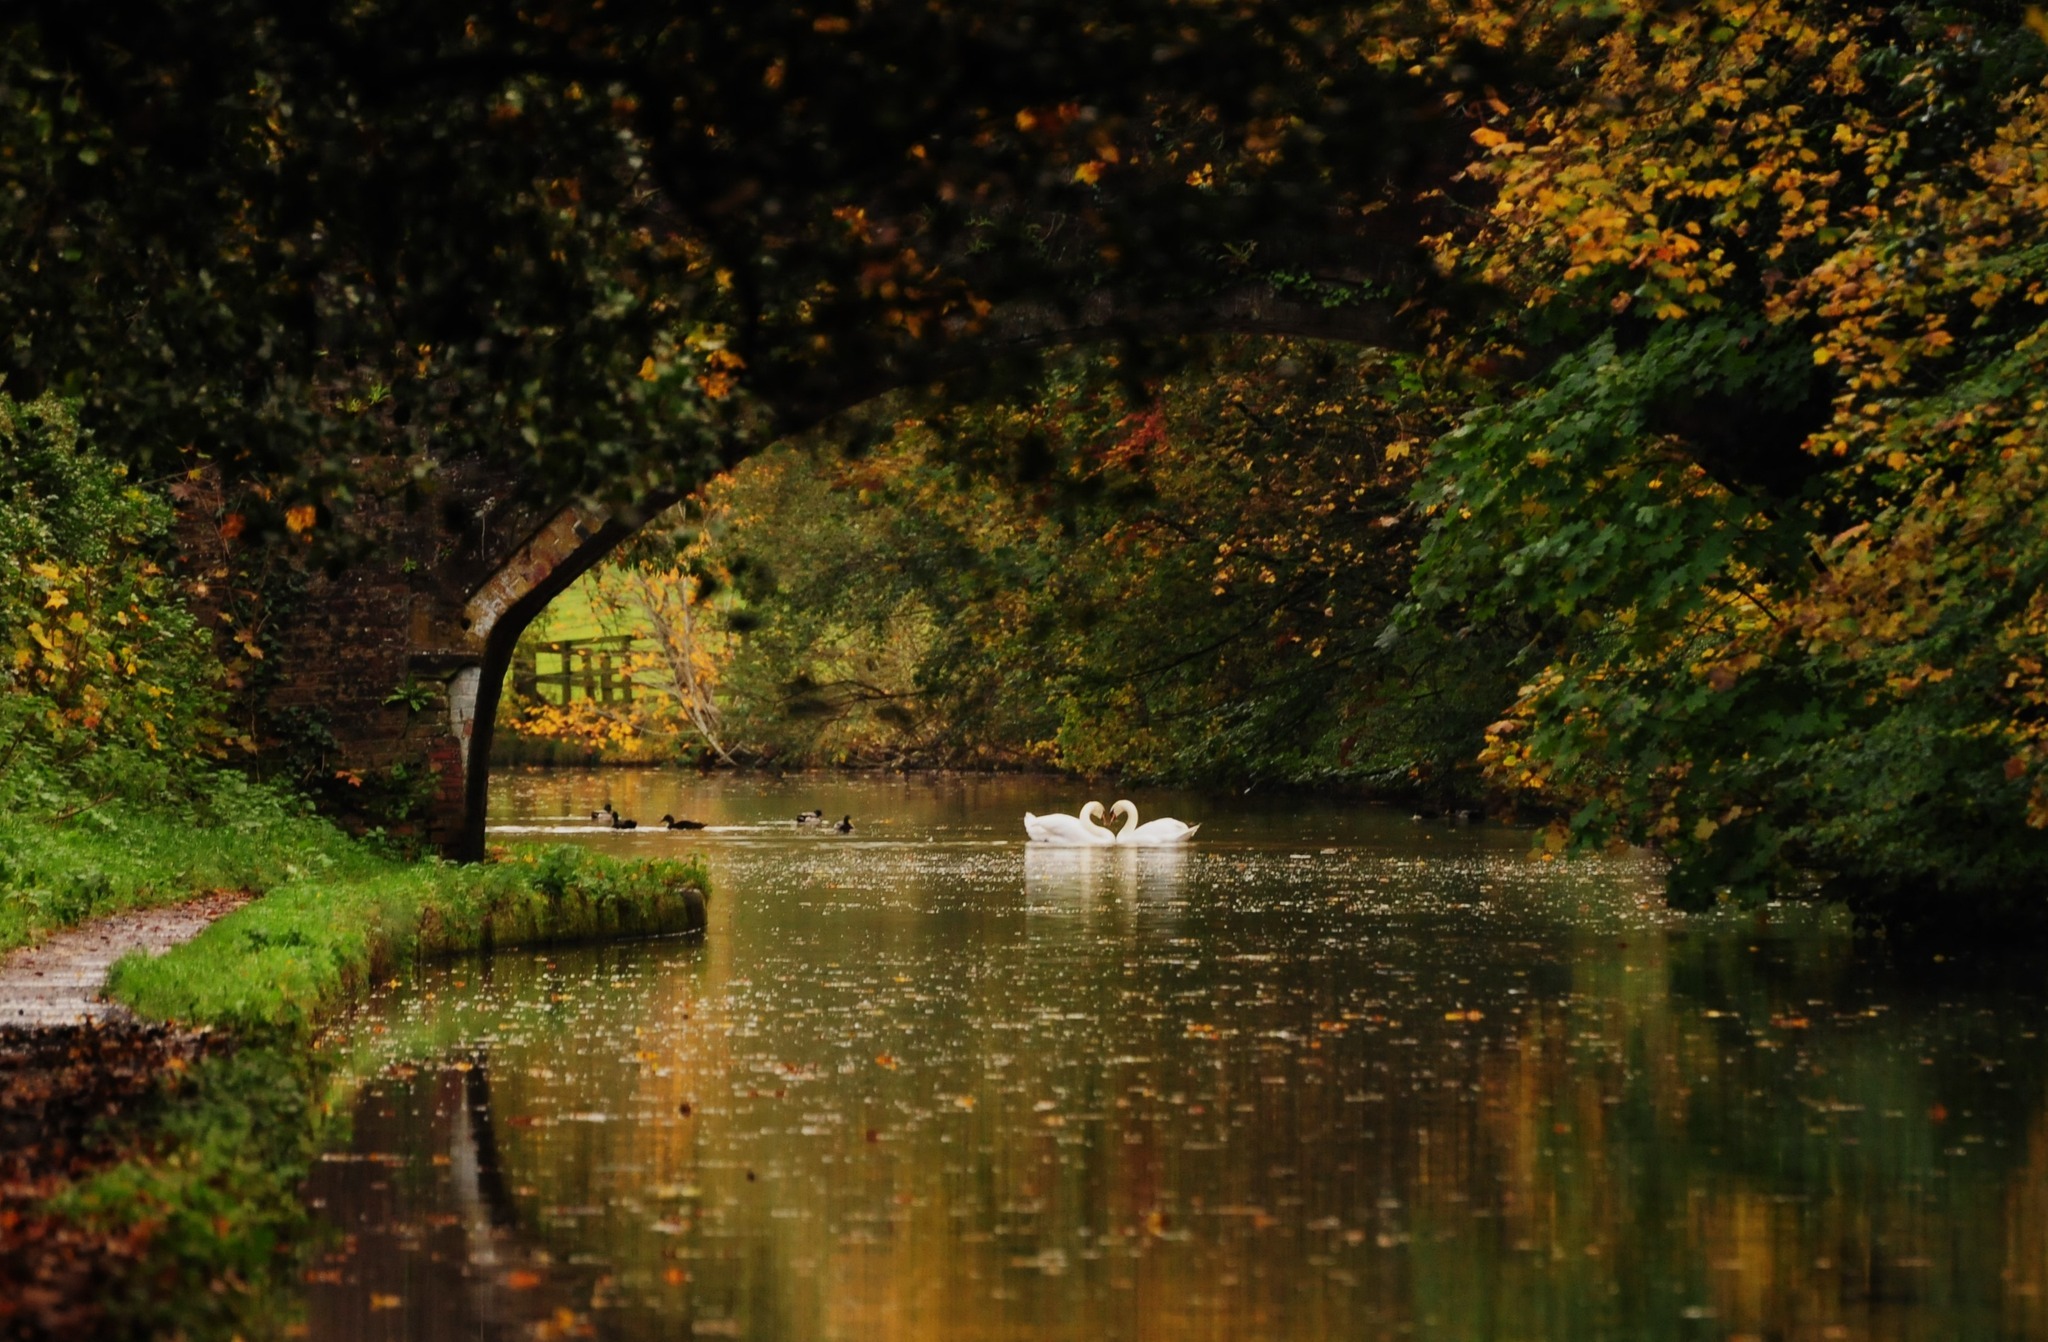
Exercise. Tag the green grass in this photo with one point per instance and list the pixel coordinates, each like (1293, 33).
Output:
(213, 1182)
(573, 615)
(289, 959)
(109, 859)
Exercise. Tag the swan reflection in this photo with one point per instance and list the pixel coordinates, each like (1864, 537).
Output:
(1062, 875)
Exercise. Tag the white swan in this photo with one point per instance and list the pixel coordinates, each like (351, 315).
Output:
(1151, 834)
(1082, 831)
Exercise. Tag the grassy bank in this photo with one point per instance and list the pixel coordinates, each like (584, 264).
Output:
(119, 856)
(280, 965)
(200, 1211)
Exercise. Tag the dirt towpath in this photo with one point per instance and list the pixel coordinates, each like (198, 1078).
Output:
(58, 982)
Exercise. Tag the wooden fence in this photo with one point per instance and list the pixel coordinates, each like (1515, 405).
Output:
(597, 670)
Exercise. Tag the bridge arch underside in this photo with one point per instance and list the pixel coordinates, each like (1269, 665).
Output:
(569, 545)
(438, 609)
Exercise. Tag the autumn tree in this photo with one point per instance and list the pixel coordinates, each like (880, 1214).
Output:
(108, 689)
(1766, 499)
(657, 595)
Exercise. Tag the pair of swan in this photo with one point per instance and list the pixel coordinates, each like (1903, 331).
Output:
(1086, 830)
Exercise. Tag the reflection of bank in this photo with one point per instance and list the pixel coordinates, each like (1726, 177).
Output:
(1056, 876)
(433, 1243)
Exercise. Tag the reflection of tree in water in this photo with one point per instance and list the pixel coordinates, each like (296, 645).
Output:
(1763, 1160)
(436, 1246)
(1280, 1103)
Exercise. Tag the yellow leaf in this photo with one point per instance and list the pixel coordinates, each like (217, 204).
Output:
(56, 601)
(1090, 173)
(2037, 22)
(300, 519)
(648, 372)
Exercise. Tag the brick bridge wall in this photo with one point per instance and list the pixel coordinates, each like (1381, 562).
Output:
(435, 607)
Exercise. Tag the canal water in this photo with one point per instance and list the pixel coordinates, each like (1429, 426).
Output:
(1327, 1073)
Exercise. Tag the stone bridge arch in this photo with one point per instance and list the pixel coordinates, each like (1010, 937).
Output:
(401, 656)
(404, 653)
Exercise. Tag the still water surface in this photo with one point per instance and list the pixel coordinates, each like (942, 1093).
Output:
(1330, 1073)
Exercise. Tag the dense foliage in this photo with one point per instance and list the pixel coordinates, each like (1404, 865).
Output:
(1771, 510)
(109, 688)
(620, 245)
(1746, 493)
(1189, 581)
(1731, 310)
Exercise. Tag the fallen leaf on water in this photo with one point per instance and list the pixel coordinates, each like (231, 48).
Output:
(522, 1279)
(385, 1301)
(886, 1060)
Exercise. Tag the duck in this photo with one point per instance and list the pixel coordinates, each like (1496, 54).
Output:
(810, 817)
(1152, 834)
(607, 816)
(620, 822)
(845, 825)
(1067, 831)
(670, 822)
